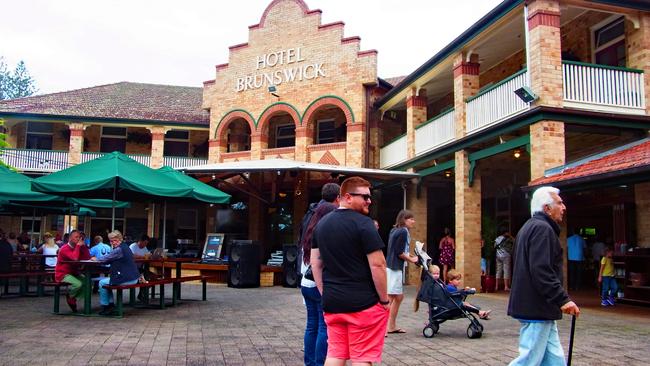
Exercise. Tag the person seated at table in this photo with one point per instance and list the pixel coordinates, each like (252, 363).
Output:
(98, 251)
(124, 271)
(50, 250)
(6, 254)
(140, 251)
(13, 241)
(74, 250)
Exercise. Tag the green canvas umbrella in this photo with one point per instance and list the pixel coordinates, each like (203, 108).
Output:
(201, 191)
(115, 176)
(17, 187)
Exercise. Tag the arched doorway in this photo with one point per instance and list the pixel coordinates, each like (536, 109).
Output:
(238, 136)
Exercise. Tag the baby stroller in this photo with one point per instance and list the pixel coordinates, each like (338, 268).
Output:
(442, 306)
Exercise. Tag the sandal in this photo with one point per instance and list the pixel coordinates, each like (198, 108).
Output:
(396, 331)
(486, 315)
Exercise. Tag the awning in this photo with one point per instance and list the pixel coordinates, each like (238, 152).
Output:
(626, 164)
(280, 165)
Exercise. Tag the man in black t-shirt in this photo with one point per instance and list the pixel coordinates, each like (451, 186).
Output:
(350, 271)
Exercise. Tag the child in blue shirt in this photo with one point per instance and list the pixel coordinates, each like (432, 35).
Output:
(454, 278)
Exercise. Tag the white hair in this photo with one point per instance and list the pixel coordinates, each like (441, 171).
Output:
(541, 198)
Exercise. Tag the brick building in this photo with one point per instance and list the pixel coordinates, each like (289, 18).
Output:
(300, 90)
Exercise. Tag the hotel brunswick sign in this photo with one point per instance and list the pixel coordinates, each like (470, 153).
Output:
(280, 67)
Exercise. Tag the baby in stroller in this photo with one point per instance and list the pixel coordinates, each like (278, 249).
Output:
(444, 305)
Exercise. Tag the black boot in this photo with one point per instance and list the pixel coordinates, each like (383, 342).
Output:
(107, 309)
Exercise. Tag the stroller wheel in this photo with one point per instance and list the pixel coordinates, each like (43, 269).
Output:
(430, 330)
(474, 332)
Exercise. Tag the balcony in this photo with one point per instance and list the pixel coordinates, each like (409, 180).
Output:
(603, 88)
(435, 132)
(393, 153)
(496, 103)
(47, 161)
(30, 160)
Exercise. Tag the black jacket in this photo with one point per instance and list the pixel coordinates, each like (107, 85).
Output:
(536, 292)
(123, 267)
(397, 239)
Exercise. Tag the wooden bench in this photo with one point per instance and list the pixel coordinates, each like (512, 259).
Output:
(57, 292)
(119, 303)
(24, 280)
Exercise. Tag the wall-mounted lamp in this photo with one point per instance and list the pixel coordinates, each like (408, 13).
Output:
(273, 90)
(526, 94)
(517, 153)
(214, 177)
(448, 173)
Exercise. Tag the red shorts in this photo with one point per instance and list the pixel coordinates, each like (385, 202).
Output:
(359, 336)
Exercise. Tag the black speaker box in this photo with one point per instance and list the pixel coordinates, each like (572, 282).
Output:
(290, 265)
(244, 264)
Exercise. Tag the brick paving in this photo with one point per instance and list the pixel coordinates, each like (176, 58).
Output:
(264, 327)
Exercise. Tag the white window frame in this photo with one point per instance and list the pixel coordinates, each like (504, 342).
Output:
(34, 236)
(600, 26)
(277, 133)
(27, 132)
(318, 124)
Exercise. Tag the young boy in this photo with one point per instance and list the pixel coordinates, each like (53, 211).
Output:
(606, 278)
(454, 278)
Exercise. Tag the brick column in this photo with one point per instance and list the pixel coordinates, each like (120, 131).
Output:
(259, 142)
(468, 221)
(416, 114)
(355, 148)
(76, 142)
(418, 205)
(638, 50)
(545, 52)
(214, 151)
(466, 84)
(304, 138)
(157, 145)
(547, 147)
(642, 204)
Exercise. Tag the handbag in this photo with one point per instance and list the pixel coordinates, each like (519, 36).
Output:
(309, 274)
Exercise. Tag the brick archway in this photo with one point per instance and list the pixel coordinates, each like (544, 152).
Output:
(231, 116)
(274, 109)
(325, 101)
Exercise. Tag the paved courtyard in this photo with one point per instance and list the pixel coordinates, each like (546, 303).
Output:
(264, 327)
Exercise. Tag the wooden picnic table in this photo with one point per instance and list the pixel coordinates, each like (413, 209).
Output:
(178, 261)
(87, 267)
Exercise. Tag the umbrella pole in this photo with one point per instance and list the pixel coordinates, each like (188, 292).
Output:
(164, 226)
(31, 233)
(113, 212)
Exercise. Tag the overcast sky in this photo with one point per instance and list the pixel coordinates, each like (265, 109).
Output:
(71, 44)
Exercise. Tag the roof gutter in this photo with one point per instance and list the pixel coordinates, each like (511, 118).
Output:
(128, 121)
(632, 4)
(495, 14)
(632, 175)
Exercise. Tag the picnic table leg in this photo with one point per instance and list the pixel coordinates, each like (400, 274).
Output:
(153, 292)
(87, 290)
(162, 295)
(204, 285)
(174, 294)
(22, 287)
(178, 275)
(132, 296)
(120, 307)
(57, 297)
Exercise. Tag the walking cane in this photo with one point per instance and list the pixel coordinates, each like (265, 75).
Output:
(573, 328)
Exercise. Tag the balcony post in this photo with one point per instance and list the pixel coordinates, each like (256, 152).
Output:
(215, 149)
(157, 145)
(545, 52)
(466, 84)
(468, 220)
(355, 149)
(638, 50)
(416, 114)
(303, 139)
(259, 141)
(76, 144)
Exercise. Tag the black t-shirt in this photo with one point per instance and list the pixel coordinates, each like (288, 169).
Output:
(345, 238)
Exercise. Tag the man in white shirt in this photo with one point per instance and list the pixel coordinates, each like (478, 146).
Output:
(139, 248)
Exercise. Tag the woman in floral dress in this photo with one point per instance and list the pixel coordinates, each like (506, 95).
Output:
(447, 253)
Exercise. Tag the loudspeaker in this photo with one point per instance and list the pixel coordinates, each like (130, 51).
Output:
(290, 265)
(244, 264)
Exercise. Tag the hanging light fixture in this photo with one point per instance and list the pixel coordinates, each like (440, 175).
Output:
(447, 173)
(517, 153)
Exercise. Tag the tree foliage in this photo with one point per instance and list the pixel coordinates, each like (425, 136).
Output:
(3, 141)
(16, 83)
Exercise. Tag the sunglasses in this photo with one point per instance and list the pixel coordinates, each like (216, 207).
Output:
(366, 197)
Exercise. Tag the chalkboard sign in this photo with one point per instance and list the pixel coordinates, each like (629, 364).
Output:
(213, 245)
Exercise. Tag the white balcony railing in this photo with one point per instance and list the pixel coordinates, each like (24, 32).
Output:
(88, 156)
(605, 88)
(142, 159)
(496, 103)
(393, 153)
(434, 133)
(30, 160)
(183, 161)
